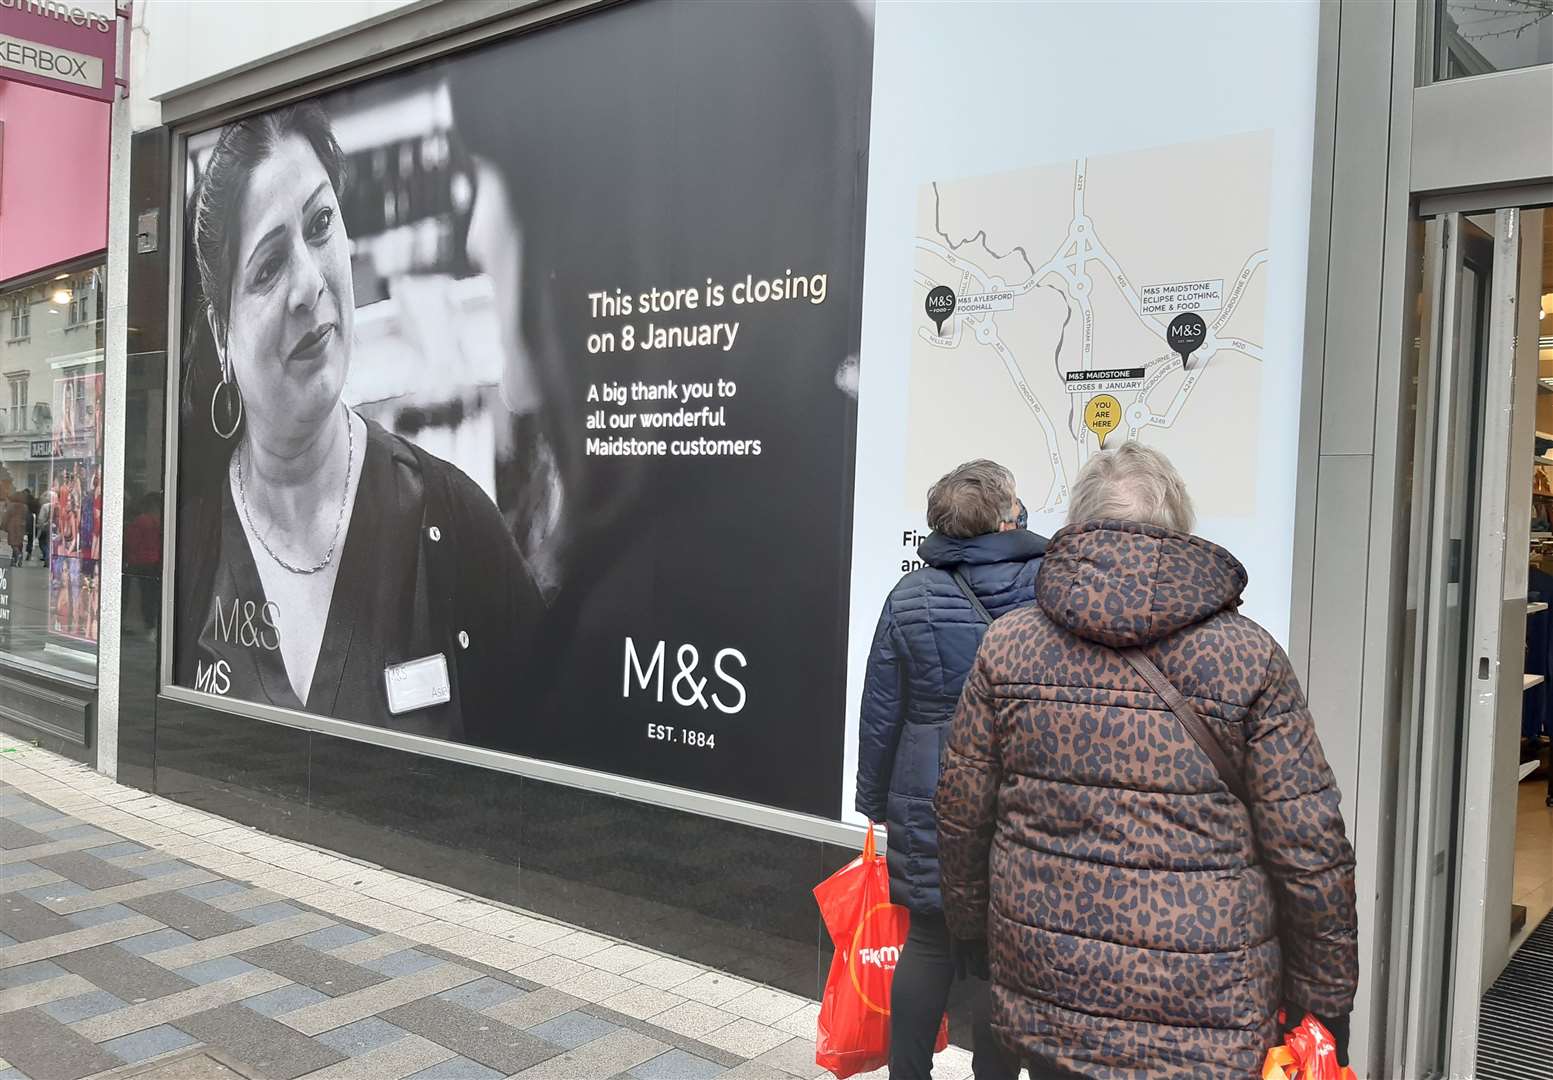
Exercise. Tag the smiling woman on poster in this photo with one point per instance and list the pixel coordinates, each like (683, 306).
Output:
(334, 567)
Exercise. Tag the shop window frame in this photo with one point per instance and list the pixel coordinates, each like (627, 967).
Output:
(19, 381)
(394, 45)
(39, 676)
(21, 318)
(1431, 56)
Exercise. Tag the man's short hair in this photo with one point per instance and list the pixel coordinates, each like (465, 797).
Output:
(971, 500)
(1131, 483)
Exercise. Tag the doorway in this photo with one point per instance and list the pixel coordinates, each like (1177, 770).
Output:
(1515, 1037)
(1532, 886)
(1469, 882)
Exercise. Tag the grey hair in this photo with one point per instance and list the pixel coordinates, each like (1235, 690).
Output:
(1131, 483)
(970, 500)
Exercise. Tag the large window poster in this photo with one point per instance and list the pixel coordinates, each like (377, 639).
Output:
(519, 395)
(75, 481)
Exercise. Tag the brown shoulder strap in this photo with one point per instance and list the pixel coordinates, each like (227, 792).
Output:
(1200, 732)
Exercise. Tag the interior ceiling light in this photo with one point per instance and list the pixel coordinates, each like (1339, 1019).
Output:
(61, 296)
(1547, 305)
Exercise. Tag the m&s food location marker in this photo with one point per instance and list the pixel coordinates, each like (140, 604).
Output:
(1186, 334)
(1102, 415)
(940, 305)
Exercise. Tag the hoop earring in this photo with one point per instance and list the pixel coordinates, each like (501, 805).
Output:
(227, 407)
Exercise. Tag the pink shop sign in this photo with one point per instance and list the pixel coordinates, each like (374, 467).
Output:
(58, 46)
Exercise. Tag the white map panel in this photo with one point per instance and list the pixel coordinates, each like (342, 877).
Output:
(1068, 269)
(1081, 175)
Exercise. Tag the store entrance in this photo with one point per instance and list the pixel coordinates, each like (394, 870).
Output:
(1521, 837)
(1474, 864)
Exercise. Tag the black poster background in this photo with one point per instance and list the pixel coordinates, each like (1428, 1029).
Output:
(657, 144)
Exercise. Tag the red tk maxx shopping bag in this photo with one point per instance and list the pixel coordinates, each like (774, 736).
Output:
(868, 932)
(1308, 1053)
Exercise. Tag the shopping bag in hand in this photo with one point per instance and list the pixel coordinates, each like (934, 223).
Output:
(1308, 1053)
(868, 932)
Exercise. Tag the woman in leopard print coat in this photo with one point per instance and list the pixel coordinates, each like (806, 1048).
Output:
(1141, 921)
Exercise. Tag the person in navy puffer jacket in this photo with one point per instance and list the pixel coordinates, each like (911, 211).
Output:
(922, 652)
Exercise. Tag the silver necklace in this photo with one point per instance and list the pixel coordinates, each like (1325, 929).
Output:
(339, 521)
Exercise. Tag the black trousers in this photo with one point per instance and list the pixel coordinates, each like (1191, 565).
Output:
(918, 995)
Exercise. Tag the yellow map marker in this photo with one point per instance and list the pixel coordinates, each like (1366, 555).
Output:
(1102, 415)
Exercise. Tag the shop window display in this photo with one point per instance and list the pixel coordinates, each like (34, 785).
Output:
(51, 479)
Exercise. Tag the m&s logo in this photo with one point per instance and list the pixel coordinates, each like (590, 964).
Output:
(215, 679)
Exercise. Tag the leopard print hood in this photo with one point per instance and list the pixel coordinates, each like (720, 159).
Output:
(1124, 583)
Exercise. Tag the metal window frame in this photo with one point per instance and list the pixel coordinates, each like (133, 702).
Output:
(1476, 764)
(1430, 50)
(72, 266)
(1502, 167)
(1381, 277)
(15, 663)
(423, 33)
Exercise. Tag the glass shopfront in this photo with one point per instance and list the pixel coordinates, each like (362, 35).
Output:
(633, 377)
(1477, 37)
(51, 472)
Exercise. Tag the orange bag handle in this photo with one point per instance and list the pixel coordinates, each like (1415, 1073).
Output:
(870, 855)
(1279, 1061)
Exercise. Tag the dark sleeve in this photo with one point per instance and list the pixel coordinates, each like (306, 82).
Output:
(495, 597)
(967, 803)
(879, 723)
(194, 571)
(1299, 828)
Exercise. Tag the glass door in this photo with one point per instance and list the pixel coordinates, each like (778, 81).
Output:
(1456, 599)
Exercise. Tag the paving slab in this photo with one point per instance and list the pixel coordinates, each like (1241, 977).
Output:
(44, 1049)
(363, 1036)
(122, 974)
(147, 1043)
(15, 835)
(324, 973)
(198, 1063)
(286, 999)
(24, 919)
(394, 1061)
(316, 1019)
(794, 1057)
(481, 994)
(534, 1007)
(676, 1064)
(198, 920)
(239, 940)
(172, 1007)
(474, 1035)
(42, 992)
(271, 960)
(618, 1051)
(83, 1006)
(22, 974)
(86, 870)
(121, 893)
(43, 948)
(273, 1049)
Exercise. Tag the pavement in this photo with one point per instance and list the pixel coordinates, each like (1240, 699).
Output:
(142, 938)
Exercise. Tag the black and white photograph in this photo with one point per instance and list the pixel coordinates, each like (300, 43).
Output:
(518, 397)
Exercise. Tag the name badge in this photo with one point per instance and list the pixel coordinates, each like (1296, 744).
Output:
(417, 684)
